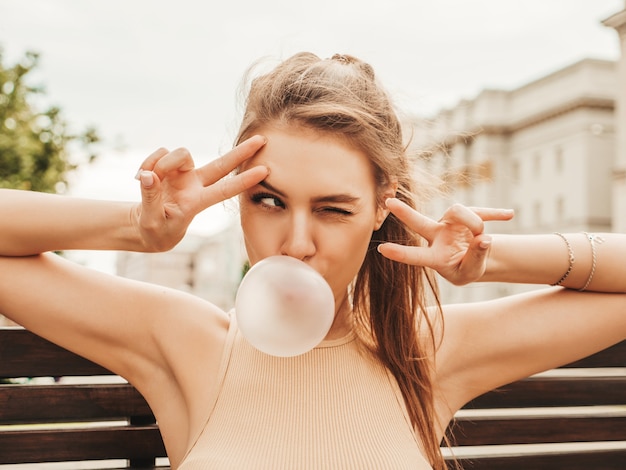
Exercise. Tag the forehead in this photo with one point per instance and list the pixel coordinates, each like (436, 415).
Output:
(298, 156)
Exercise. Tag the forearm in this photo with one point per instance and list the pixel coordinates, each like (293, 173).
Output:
(32, 223)
(545, 259)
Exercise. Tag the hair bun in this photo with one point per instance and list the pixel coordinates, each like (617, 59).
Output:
(351, 60)
(346, 59)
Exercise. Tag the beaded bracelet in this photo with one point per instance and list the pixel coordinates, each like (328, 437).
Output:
(570, 254)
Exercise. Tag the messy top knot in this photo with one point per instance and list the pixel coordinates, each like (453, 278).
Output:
(348, 59)
(339, 94)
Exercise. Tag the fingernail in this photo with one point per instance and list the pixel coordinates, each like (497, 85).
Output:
(484, 244)
(138, 173)
(146, 178)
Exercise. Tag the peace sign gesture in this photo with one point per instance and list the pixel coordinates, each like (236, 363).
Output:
(173, 191)
(457, 245)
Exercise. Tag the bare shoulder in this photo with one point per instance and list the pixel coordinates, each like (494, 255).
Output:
(190, 335)
(165, 342)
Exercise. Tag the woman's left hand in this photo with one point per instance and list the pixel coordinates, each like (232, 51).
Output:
(457, 245)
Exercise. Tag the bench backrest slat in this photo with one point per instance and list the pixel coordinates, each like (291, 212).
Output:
(614, 356)
(54, 445)
(27, 355)
(27, 404)
(539, 429)
(555, 391)
(599, 459)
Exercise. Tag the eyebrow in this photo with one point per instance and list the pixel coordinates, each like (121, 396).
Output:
(342, 198)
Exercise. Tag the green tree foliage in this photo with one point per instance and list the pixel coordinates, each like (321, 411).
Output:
(34, 144)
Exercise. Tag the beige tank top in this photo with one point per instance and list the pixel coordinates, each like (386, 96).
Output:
(334, 407)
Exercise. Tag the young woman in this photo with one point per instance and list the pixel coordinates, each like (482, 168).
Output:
(322, 175)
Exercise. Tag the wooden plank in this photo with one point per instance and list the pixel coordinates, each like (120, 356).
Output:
(146, 467)
(475, 431)
(59, 445)
(66, 403)
(97, 466)
(603, 459)
(24, 354)
(615, 356)
(140, 467)
(555, 391)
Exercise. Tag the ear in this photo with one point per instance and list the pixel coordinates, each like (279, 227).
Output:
(382, 212)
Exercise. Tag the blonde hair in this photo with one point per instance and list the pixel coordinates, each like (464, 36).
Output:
(341, 95)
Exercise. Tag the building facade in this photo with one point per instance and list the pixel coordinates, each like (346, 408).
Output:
(554, 150)
(546, 150)
(618, 22)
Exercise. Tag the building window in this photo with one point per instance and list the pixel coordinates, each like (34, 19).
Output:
(560, 209)
(515, 171)
(517, 220)
(537, 164)
(558, 160)
(537, 214)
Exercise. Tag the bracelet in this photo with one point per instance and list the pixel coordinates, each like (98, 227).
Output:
(570, 254)
(592, 241)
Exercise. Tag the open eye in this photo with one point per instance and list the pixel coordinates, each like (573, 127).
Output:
(267, 200)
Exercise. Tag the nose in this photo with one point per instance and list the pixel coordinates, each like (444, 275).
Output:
(299, 239)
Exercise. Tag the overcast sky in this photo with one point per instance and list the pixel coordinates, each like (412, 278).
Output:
(150, 73)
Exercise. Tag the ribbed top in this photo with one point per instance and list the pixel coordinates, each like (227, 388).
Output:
(334, 407)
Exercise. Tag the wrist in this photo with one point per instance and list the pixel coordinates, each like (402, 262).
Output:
(534, 259)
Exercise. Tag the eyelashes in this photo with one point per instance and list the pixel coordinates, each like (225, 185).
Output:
(269, 201)
(262, 199)
(337, 210)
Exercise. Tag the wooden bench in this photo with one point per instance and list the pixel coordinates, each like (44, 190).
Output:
(67, 421)
(572, 418)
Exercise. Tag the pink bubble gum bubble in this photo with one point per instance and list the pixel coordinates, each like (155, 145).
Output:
(284, 307)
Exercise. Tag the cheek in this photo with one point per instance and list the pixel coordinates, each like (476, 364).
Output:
(346, 252)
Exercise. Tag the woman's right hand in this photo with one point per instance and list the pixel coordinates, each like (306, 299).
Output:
(173, 191)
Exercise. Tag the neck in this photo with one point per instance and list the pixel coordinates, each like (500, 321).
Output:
(342, 324)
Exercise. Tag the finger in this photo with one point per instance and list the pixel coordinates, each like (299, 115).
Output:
(415, 255)
(462, 215)
(153, 158)
(473, 264)
(230, 187)
(178, 160)
(151, 206)
(417, 222)
(217, 169)
(490, 213)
